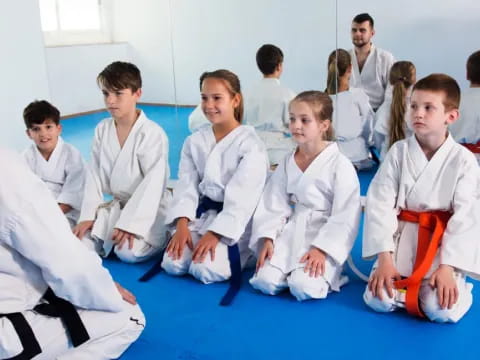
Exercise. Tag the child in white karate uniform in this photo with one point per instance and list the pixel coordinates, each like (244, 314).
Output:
(223, 169)
(422, 214)
(352, 115)
(306, 222)
(391, 119)
(467, 129)
(129, 161)
(57, 163)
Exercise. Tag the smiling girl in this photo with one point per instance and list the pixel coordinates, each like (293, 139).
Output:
(222, 173)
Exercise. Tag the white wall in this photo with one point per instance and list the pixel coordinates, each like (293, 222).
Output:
(22, 68)
(212, 34)
(437, 36)
(145, 25)
(73, 70)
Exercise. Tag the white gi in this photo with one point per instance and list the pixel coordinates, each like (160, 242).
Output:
(266, 109)
(136, 176)
(374, 76)
(232, 171)
(382, 122)
(450, 181)
(467, 128)
(38, 250)
(300, 210)
(63, 173)
(197, 119)
(353, 125)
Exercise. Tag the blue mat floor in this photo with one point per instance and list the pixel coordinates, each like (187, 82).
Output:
(184, 320)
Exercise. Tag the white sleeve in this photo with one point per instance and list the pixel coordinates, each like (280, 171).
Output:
(367, 115)
(337, 236)
(380, 211)
(273, 210)
(242, 194)
(389, 60)
(186, 195)
(40, 232)
(93, 194)
(72, 189)
(460, 246)
(141, 209)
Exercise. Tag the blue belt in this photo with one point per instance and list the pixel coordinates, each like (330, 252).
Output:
(204, 205)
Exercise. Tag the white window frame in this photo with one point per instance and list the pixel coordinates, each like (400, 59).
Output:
(78, 37)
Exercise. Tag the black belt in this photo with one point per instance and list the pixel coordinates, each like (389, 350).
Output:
(54, 307)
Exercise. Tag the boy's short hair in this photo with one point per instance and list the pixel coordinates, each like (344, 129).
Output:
(120, 75)
(441, 83)
(473, 67)
(38, 111)
(268, 58)
(360, 18)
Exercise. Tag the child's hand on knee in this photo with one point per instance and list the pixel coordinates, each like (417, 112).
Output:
(314, 261)
(207, 244)
(181, 238)
(120, 236)
(81, 228)
(383, 276)
(266, 253)
(443, 280)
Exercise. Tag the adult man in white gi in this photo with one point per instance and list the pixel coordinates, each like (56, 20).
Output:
(371, 65)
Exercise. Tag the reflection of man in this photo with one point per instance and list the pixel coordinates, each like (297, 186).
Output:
(371, 65)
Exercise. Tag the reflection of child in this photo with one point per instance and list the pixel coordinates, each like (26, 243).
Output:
(426, 192)
(266, 104)
(391, 118)
(303, 248)
(58, 164)
(219, 165)
(467, 129)
(352, 116)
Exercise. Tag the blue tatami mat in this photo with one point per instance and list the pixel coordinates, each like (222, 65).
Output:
(184, 320)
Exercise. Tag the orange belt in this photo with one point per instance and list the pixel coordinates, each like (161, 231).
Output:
(474, 148)
(431, 225)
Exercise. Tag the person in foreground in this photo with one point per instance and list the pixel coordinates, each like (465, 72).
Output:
(56, 299)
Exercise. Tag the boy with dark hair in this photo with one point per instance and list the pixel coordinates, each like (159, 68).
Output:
(58, 164)
(266, 104)
(129, 162)
(422, 214)
(467, 129)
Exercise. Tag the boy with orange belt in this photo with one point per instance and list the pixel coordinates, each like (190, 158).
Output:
(421, 214)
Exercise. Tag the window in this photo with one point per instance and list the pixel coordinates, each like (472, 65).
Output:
(69, 22)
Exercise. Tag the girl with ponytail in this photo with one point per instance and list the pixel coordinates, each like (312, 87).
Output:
(352, 116)
(390, 124)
